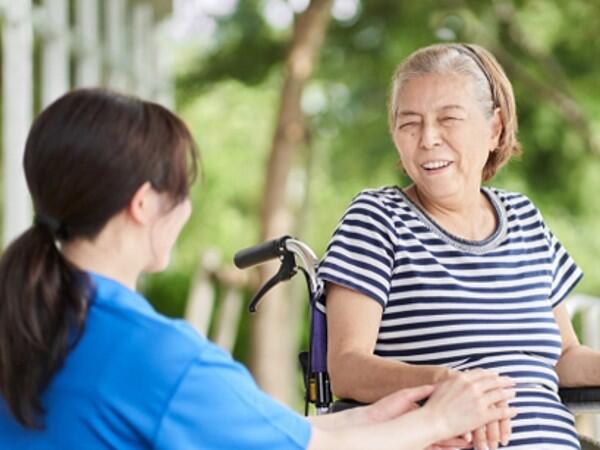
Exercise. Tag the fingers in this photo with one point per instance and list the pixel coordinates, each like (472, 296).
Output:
(480, 438)
(496, 396)
(501, 413)
(493, 434)
(398, 403)
(415, 394)
(505, 429)
(487, 380)
(496, 432)
(456, 442)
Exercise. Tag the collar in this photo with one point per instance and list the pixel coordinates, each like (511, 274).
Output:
(107, 291)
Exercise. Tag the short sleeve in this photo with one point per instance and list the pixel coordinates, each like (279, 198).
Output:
(565, 272)
(217, 405)
(360, 255)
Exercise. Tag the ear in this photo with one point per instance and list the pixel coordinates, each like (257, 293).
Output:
(497, 128)
(144, 204)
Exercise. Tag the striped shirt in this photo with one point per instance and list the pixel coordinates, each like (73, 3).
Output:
(464, 304)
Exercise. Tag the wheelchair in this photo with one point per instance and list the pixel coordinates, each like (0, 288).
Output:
(295, 256)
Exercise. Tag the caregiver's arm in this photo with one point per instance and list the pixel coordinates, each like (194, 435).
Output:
(578, 365)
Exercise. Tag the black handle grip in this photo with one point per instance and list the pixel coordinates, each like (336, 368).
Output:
(260, 253)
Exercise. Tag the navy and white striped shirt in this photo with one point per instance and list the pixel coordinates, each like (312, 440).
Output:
(464, 304)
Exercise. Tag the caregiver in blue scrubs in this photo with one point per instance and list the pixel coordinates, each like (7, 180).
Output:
(86, 362)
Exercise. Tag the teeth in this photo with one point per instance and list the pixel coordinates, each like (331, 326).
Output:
(435, 164)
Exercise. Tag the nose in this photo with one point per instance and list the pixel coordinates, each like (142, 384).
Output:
(430, 136)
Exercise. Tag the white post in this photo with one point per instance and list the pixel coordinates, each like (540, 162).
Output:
(143, 18)
(199, 307)
(17, 99)
(163, 91)
(88, 71)
(229, 319)
(116, 43)
(55, 52)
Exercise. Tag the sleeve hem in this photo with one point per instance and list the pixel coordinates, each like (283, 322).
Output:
(352, 286)
(563, 297)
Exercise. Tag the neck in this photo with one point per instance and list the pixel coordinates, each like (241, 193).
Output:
(471, 217)
(108, 261)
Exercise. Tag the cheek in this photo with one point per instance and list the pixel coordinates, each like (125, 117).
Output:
(174, 222)
(181, 218)
(405, 144)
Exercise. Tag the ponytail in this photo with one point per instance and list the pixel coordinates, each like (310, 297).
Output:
(42, 313)
(85, 157)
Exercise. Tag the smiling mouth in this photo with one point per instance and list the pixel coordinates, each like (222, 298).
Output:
(432, 166)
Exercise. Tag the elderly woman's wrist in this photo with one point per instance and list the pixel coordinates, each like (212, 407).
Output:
(441, 373)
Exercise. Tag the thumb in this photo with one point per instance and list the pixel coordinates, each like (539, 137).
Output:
(415, 394)
(403, 400)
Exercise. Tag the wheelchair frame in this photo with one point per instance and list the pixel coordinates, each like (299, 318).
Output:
(296, 256)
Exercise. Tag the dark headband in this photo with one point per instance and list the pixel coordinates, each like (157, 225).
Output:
(470, 51)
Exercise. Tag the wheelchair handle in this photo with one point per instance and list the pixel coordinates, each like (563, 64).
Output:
(258, 254)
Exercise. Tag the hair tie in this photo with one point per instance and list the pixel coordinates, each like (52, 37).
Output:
(48, 222)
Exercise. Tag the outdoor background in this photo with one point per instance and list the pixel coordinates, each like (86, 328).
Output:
(287, 138)
(229, 91)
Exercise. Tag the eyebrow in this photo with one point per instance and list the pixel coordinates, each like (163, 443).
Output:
(407, 113)
(452, 107)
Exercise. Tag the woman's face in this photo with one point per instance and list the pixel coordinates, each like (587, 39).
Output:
(443, 136)
(164, 233)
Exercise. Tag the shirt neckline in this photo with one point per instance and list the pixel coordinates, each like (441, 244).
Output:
(110, 291)
(466, 245)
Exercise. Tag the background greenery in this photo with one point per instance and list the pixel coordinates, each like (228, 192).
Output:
(229, 93)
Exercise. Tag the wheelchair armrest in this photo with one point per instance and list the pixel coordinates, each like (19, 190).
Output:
(578, 400)
(345, 403)
(581, 399)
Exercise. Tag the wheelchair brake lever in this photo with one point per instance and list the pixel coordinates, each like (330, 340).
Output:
(286, 271)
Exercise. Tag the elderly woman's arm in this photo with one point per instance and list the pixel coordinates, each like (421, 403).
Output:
(353, 321)
(578, 365)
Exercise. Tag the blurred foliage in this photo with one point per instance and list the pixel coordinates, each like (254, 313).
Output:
(229, 97)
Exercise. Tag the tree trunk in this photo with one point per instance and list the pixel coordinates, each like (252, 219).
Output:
(273, 344)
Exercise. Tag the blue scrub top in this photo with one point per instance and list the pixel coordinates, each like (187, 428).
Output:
(137, 379)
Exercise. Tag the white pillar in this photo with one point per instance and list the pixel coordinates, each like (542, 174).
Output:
(55, 51)
(163, 90)
(115, 20)
(88, 68)
(143, 18)
(17, 99)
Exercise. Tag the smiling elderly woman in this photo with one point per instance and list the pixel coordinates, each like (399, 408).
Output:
(445, 275)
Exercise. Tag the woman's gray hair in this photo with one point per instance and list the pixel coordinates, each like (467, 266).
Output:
(491, 87)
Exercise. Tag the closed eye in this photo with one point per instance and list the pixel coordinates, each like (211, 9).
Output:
(449, 119)
(407, 125)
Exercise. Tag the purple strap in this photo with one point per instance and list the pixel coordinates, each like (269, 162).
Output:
(318, 339)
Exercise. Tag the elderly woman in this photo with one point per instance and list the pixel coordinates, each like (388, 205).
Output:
(446, 275)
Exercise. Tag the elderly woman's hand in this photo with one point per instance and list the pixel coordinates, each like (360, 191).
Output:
(493, 434)
(475, 397)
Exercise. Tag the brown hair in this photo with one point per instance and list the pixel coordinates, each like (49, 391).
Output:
(85, 157)
(492, 88)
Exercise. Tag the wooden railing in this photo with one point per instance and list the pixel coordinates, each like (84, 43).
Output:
(221, 314)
